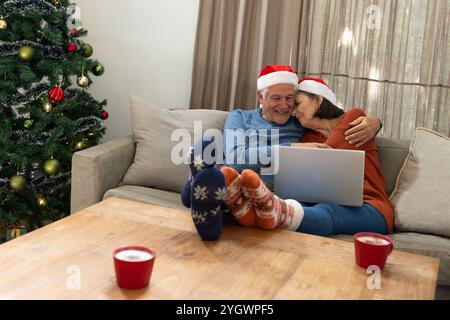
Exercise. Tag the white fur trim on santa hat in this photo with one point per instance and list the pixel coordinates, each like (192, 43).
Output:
(318, 88)
(277, 77)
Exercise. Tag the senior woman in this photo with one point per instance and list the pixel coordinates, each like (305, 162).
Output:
(316, 110)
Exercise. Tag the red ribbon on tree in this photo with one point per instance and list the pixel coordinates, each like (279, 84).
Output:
(56, 94)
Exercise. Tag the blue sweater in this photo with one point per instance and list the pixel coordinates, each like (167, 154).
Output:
(251, 137)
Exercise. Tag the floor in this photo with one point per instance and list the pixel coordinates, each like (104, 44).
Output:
(442, 293)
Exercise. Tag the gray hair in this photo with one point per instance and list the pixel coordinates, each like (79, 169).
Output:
(264, 91)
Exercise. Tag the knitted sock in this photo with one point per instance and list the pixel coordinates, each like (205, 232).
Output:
(271, 211)
(197, 163)
(241, 207)
(208, 192)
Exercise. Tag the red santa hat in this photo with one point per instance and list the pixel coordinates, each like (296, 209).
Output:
(276, 74)
(317, 86)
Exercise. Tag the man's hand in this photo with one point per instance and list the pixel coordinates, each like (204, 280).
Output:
(311, 145)
(364, 129)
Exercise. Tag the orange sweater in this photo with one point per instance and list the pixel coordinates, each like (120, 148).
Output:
(374, 185)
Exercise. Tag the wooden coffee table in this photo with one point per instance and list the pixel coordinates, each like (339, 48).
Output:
(72, 259)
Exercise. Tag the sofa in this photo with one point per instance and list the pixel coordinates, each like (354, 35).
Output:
(98, 173)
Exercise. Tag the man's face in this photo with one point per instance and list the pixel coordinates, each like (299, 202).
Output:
(278, 103)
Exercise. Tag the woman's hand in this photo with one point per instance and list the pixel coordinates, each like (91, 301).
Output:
(311, 145)
(364, 129)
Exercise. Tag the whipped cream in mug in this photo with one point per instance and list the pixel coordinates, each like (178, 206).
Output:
(373, 240)
(134, 255)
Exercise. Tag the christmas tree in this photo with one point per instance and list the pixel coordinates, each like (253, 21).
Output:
(46, 114)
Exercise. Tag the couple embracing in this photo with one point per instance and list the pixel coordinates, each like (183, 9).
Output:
(302, 113)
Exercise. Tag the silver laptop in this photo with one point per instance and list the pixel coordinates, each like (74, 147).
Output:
(316, 175)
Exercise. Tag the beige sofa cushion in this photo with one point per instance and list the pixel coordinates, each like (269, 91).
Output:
(152, 128)
(421, 196)
(152, 196)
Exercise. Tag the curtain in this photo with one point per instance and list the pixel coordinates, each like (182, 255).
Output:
(389, 57)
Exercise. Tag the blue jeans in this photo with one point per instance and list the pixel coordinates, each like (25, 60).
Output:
(325, 219)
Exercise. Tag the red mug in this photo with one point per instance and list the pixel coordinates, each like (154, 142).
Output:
(372, 249)
(133, 266)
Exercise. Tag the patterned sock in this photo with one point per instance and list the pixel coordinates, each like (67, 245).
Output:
(241, 207)
(271, 211)
(208, 192)
(197, 163)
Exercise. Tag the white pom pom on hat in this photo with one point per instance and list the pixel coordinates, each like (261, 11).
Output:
(276, 74)
(317, 86)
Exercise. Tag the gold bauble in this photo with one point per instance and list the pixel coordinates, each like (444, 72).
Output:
(80, 145)
(86, 50)
(51, 167)
(3, 24)
(17, 183)
(27, 124)
(26, 53)
(41, 201)
(56, 3)
(47, 107)
(83, 81)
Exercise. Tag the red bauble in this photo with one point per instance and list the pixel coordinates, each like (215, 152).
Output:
(72, 47)
(74, 32)
(105, 115)
(56, 94)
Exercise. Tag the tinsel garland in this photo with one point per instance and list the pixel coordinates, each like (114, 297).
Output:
(3, 182)
(25, 137)
(25, 5)
(50, 183)
(87, 123)
(12, 49)
(19, 100)
(21, 136)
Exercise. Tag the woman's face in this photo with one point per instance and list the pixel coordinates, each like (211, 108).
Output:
(305, 108)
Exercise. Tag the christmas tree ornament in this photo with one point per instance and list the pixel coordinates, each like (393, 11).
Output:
(98, 69)
(82, 81)
(18, 183)
(56, 3)
(27, 124)
(91, 134)
(42, 202)
(51, 167)
(72, 47)
(105, 115)
(46, 105)
(86, 50)
(56, 94)
(43, 24)
(80, 145)
(3, 24)
(26, 53)
(74, 32)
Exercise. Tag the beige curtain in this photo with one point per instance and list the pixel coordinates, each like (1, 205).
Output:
(390, 57)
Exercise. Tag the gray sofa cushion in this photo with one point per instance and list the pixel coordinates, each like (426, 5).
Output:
(152, 127)
(392, 154)
(421, 197)
(147, 195)
(422, 244)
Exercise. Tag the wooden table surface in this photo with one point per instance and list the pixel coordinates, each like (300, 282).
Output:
(72, 259)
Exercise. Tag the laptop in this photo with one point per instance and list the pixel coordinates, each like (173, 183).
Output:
(314, 175)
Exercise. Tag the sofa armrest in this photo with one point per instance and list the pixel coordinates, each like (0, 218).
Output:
(98, 169)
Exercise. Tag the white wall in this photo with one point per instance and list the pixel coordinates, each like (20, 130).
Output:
(147, 48)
